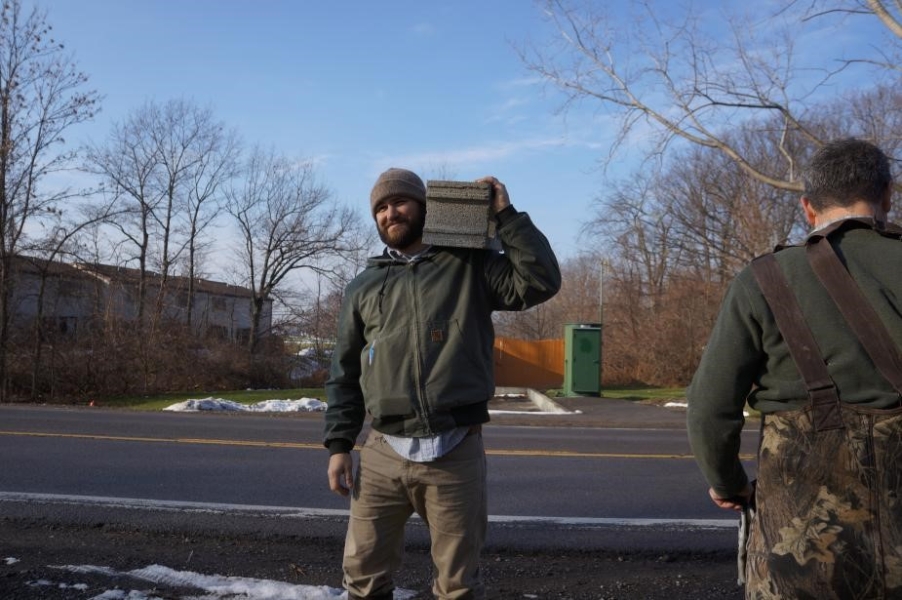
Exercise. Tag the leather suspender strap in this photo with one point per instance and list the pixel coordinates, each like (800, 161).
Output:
(803, 348)
(856, 309)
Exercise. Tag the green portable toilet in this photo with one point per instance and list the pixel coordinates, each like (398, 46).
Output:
(582, 359)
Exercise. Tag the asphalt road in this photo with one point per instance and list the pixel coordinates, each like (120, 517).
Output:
(610, 495)
(636, 477)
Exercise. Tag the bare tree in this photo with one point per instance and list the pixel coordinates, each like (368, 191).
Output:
(881, 55)
(580, 298)
(196, 157)
(538, 323)
(61, 240)
(632, 223)
(721, 217)
(315, 315)
(662, 73)
(728, 120)
(578, 301)
(40, 97)
(672, 239)
(128, 163)
(167, 165)
(712, 217)
(287, 223)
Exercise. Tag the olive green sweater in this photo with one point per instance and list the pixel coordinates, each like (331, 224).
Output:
(746, 358)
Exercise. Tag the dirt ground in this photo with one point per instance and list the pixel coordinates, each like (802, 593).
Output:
(42, 547)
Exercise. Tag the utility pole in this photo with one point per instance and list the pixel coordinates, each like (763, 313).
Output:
(601, 293)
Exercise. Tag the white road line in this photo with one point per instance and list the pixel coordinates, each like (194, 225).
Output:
(328, 513)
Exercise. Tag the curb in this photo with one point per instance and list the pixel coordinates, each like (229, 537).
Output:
(542, 402)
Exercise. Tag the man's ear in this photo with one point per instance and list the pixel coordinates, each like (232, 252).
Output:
(810, 213)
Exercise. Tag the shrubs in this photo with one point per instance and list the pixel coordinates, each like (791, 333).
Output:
(124, 359)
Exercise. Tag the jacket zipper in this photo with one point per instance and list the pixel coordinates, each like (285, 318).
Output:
(418, 358)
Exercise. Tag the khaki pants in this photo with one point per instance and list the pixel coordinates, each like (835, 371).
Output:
(449, 494)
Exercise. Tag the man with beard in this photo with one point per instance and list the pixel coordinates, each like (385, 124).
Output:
(414, 350)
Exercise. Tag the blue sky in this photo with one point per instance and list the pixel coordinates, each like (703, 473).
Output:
(362, 85)
(358, 86)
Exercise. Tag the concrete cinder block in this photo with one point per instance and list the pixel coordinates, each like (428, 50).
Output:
(459, 214)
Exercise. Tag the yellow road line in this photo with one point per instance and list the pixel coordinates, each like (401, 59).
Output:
(574, 454)
(121, 438)
(309, 446)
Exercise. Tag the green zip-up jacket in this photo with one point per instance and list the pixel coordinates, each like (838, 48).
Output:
(415, 340)
(746, 358)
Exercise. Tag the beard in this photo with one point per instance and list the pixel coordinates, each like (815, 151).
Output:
(403, 232)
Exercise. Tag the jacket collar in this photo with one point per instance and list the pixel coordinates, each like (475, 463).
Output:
(885, 229)
(387, 257)
(863, 222)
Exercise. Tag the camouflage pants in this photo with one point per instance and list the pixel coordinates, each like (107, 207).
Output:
(829, 508)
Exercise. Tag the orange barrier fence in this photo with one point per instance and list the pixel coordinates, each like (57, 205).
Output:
(536, 364)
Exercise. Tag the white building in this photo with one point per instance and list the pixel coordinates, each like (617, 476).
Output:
(75, 297)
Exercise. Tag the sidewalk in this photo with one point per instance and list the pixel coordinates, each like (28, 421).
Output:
(588, 411)
(601, 412)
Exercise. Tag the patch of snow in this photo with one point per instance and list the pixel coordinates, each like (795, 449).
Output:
(533, 412)
(302, 405)
(745, 413)
(220, 404)
(216, 587)
(10, 560)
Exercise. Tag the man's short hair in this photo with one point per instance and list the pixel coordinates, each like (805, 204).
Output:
(845, 171)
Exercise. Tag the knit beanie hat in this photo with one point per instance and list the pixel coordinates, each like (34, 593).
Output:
(397, 182)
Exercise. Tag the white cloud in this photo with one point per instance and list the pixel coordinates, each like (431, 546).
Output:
(475, 155)
(424, 29)
(509, 112)
(518, 82)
